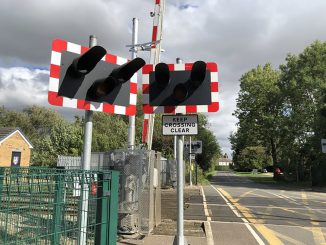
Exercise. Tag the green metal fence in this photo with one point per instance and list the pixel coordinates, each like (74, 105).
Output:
(46, 206)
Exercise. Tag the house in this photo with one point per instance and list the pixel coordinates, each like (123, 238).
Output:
(224, 163)
(15, 148)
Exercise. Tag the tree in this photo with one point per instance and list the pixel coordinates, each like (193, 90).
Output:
(64, 139)
(303, 80)
(14, 119)
(280, 110)
(109, 132)
(42, 120)
(211, 148)
(258, 109)
(253, 157)
(50, 134)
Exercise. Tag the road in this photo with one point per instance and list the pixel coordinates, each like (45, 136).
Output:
(239, 211)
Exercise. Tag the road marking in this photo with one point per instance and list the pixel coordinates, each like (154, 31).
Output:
(318, 194)
(304, 198)
(205, 205)
(289, 239)
(316, 230)
(244, 194)
(289, 199)
(247, 193)
(283, 192)
(322, 210)
(252, 231)
(209, 233)
(208, 228)
(290, 210)
(267, 233)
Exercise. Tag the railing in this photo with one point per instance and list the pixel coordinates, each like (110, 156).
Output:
(44, 206)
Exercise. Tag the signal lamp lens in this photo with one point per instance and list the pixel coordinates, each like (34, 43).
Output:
(162, 75)
(180, 92)
(87, 62)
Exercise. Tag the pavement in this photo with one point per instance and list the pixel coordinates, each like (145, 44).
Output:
(194, 220)
(163, 240)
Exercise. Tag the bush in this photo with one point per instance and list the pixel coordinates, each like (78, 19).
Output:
(222, 168)
(202, 177)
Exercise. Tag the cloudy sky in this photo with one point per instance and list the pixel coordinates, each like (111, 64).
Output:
(237, 34)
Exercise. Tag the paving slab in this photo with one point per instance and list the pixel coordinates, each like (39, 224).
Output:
(162, 240)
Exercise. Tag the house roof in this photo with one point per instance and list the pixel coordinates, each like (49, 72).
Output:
(6, 133)
(224, 160)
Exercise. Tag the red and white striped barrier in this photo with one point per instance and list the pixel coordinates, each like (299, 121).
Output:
(59, 46)
(154, 54)
(213, 107)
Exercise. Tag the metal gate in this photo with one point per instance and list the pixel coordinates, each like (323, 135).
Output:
(40, 206)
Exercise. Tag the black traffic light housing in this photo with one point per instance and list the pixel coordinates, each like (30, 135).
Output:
(87, 77)
(105, 86)
(174, 87)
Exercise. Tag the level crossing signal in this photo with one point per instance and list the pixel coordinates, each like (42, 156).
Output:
(180, 88)
(91, 79)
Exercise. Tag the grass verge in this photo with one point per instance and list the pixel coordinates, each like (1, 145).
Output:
(267, 178)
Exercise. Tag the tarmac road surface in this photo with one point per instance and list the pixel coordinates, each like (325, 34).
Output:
(235, 210)
(243, 212)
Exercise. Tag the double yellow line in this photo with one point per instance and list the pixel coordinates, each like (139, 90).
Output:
(316, 230)
(267, 233)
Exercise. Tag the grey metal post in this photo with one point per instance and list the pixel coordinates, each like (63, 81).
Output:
(86, 165)
(180, 239)
(190, 171)
(178, 61)
(132, 119)
(175, 147)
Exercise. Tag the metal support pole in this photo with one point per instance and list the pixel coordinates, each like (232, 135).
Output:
(180, 239)
(86, 165)
(132, 119)
(178, 61)
(175, 147)
(190, 170)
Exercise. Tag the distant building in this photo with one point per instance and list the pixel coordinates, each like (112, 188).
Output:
(15, 148)
(226, 162)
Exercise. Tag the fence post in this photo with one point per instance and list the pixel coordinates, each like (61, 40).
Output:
(101, 210)
(113, 208)
(57, 209)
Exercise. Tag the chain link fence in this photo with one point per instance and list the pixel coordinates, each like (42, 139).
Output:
(40, 206)
(139, 185)
(168, 173)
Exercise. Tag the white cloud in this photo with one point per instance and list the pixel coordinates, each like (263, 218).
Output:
(238, 35)
(20, 86)
(223, 123)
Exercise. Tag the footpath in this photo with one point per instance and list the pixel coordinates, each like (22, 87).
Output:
(194, 218)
